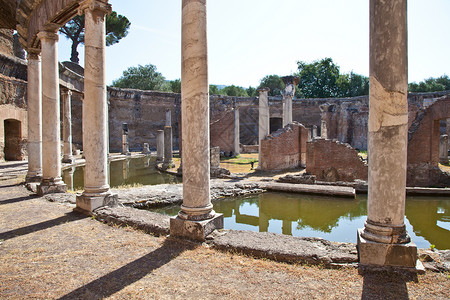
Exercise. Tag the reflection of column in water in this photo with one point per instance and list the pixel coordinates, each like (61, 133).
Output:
(125, 170)
(68, 177)
(263, 222)
(287, 227)
(147, 162)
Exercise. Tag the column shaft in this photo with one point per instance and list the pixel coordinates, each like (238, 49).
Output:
(34, 97)
(264, 117)
(237, 132)
(51, 144)
(95, 144)
(160, 146)
(195, 111)
(67, 126)
(168, 147)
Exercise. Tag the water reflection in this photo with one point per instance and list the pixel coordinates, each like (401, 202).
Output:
(427, 219)
(121, 172)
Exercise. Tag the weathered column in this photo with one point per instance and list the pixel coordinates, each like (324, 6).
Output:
(96, 188)
(314, 131)
(51, 144)
(68, 177)
(197, 218)
(264, 117)
(168, 144)
(384, 240)
(160, 146)
(125, 145)
(288, 95)
(34, 96)
(67, 126)
(237, 132)
(443, 149)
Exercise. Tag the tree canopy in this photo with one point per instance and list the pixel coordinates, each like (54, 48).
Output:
(233, 90)
(143, 78)
(431, 85)
(116, 28)
(274, 83)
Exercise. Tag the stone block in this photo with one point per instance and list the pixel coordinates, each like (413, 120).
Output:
(44, 189)
(195, 230)
(90, 203)
(380, 254)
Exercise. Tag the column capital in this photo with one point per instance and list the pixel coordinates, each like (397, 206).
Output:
(263, 89)
(66, 91)
(34, 54)
(50, 32)
(93, 5)
(290, 80)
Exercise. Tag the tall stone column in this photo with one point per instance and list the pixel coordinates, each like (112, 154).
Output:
(125, 145)
(288, 95)
(160, 146)
(237, 132)
(384, 240)
(34, 96)
(443, 149)
(264, 117)
(197, 218)
(67, 126)
(168, 142)
(96, 188)
(51, 144)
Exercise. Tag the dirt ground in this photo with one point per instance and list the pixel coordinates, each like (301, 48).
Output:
(47, 251)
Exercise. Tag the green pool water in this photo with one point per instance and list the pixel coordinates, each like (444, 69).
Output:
(140, 170)
(336, 219)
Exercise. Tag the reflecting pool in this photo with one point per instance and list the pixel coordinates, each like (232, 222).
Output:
(336, 219)
(140, 170)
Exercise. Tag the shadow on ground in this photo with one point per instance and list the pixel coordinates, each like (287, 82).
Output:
(386, 284)
(117, 280)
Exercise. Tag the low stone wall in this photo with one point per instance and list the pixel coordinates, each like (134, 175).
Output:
(333, 161)
(285, 148)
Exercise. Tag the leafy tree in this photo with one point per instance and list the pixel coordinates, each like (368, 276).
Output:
(175, 86)
(213, 89)
(251, 91)
(116, 28)
(233, 90)
(318, 79)
(274, 83)
(431, 85)
(142, 78)
(352, 85)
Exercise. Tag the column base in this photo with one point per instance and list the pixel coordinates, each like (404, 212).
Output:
(195, 230)
(33, 178)
(86, 203)
(68, 159)
(168, 165)
(50, 187)
(389, 255)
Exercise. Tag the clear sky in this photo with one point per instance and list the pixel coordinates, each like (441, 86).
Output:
(248, 39)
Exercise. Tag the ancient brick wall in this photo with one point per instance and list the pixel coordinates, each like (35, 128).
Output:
(222, 123)
(284, 148)
(334, 161)
(6, 42)
(423, 145)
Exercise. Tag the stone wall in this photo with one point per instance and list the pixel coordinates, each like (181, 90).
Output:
(330, 160)
(6, 42)
(285, 148)
(423, 145)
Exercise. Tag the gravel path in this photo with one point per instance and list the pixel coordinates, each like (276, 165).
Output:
(47, 251)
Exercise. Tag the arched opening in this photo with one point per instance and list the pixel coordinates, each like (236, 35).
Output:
(275, 124)
(13, 136)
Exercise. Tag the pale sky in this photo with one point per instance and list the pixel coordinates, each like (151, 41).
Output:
(248, 39)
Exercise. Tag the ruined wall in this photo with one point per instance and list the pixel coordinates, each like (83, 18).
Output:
(285, 148)
(222, 123)
(144, 112)
(334, 161)
(423, 145)
(13, 104)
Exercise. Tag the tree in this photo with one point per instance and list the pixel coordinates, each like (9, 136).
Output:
(213, 90)
(352, 85)
(233, 90)
(318, 79)
(431, 85)
(116, 28)
(251, 91)
(274, 83)
(175, 86)
(142, 78)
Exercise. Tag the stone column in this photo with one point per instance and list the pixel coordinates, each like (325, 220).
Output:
(197, 218)
(160, 146)
(125, 145)
(168, 148)
(34, 96)
(67, 126)
(96, 188)
(443, 149)
(51, 144)
(384, 240)
(237, 132)
(314, 131)
(168, 117)
(288, 95)
(68, 177)
(264, 117)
